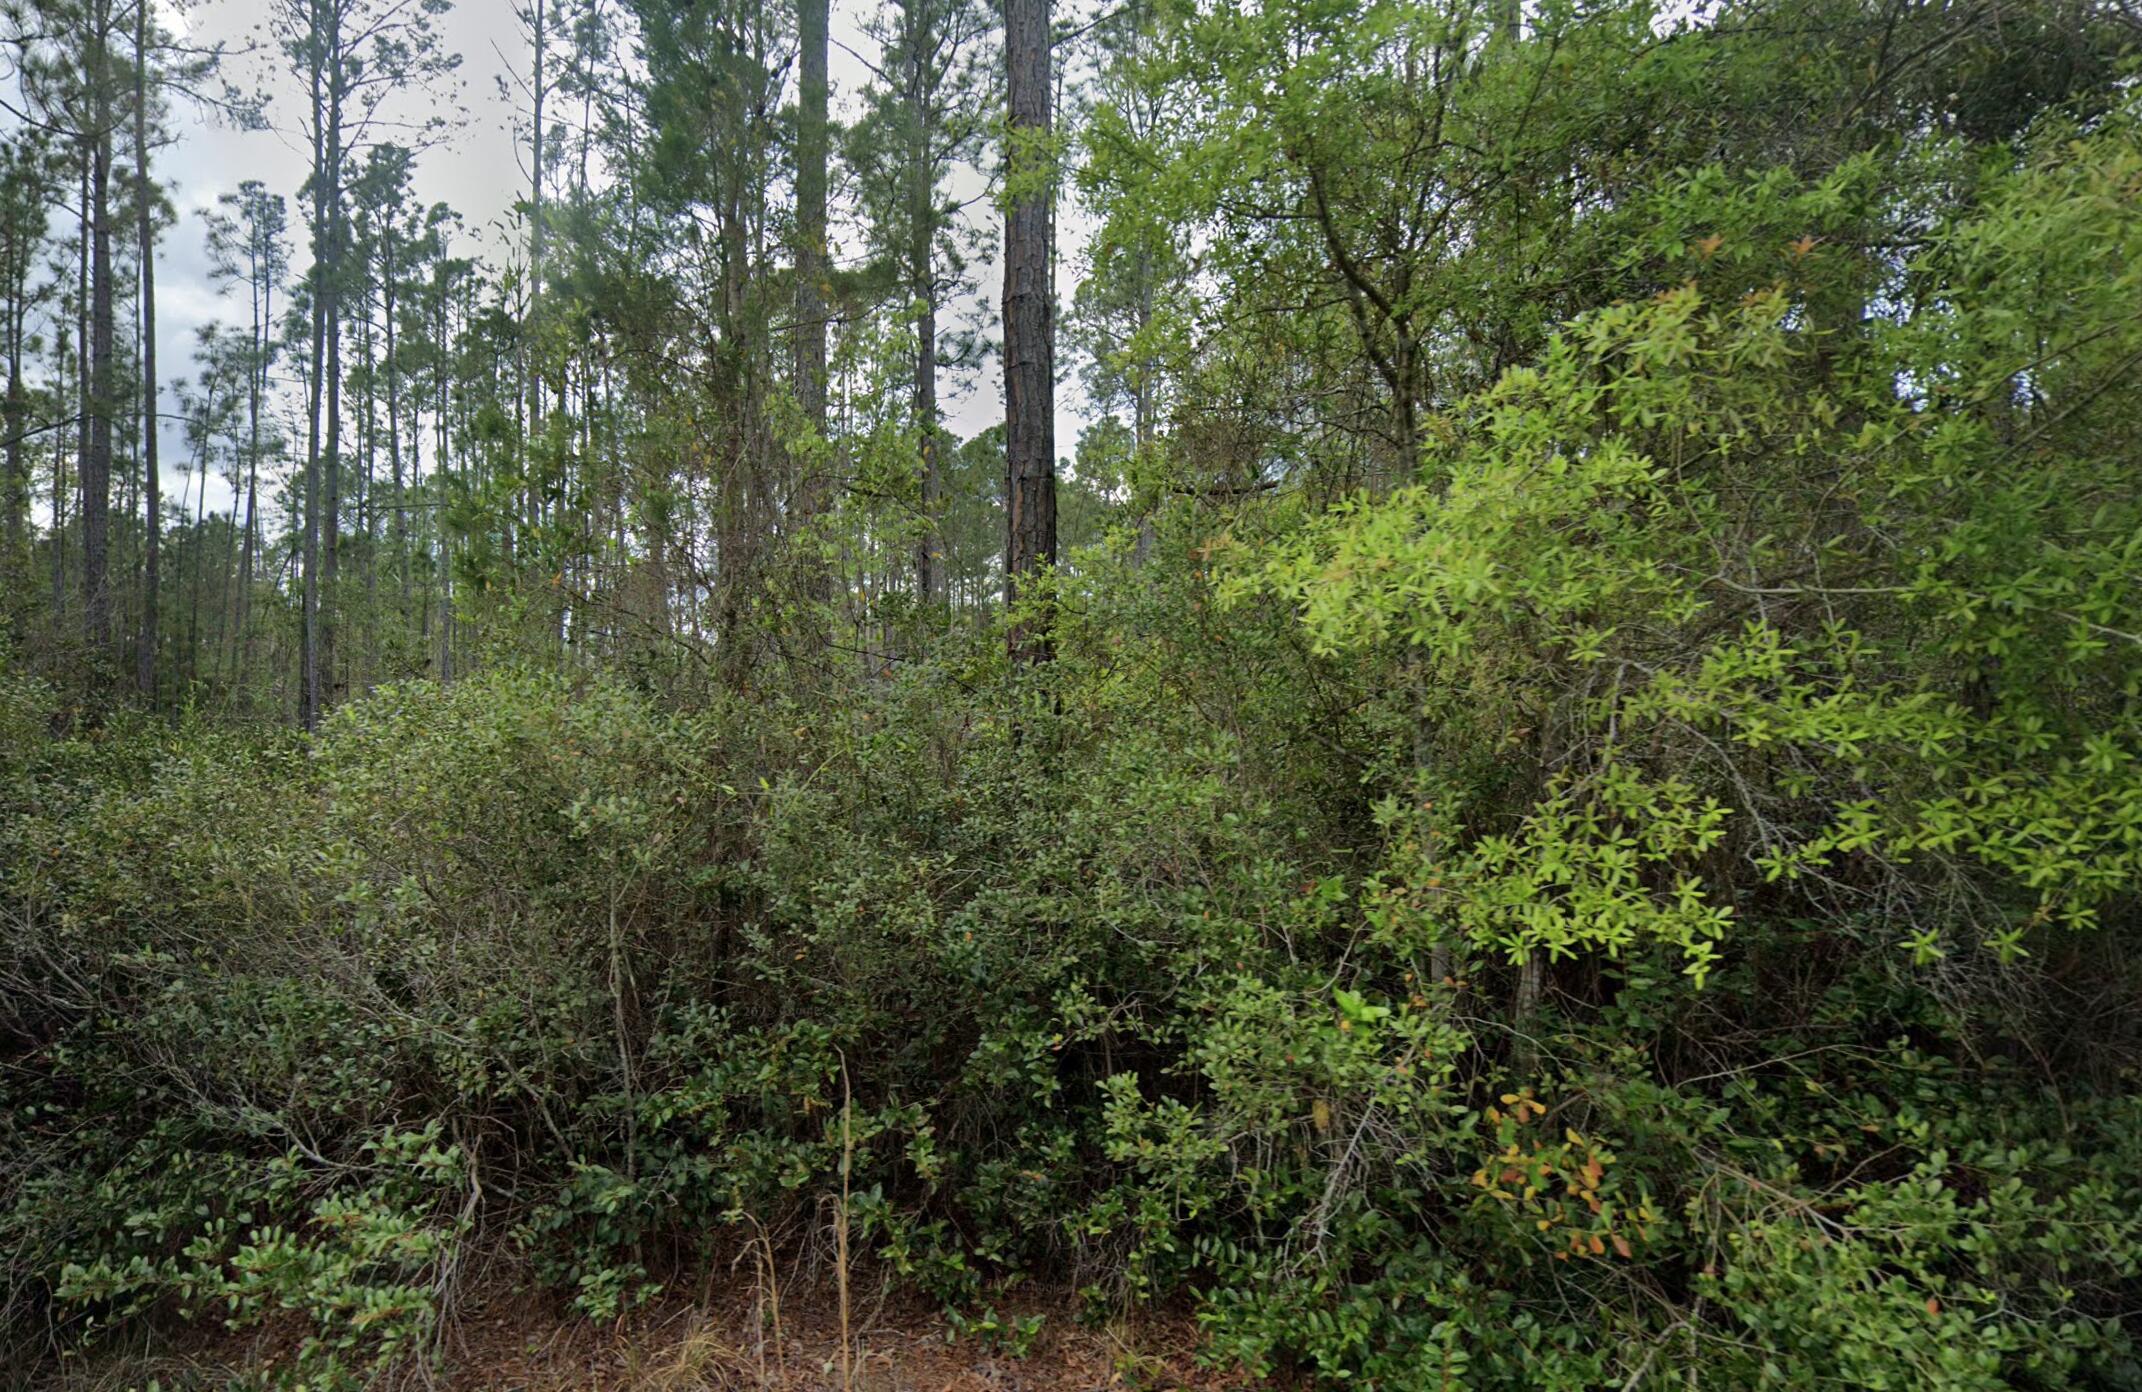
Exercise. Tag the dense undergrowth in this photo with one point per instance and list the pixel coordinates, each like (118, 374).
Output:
(534, 965)
(1650, 903)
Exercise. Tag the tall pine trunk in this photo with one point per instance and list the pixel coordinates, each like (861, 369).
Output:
(96, 471)
(367, 515)
(922, 290)
(812, 32)
(152, 489)
(81, 399)
(309, 617)
(331, 432)
(1029, 318)
(400, 523)
(17, 482)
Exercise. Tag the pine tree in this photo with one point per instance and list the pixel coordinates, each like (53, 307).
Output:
(352, 56)
(246, 245)
(925, 114)
(1029, 315)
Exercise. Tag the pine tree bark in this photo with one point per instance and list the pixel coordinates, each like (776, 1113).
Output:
(96, 471)
(922, 290)
(1029, 319)
(152, 484)
(809, 375)
(96, 468)
(16, 484)
(81, 399)
(331, 432)
(309, 609)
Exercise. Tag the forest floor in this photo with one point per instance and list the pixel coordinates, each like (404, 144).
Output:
(507, 1340)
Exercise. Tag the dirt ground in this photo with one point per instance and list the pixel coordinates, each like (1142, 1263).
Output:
(511, 1340)
(731, 1344)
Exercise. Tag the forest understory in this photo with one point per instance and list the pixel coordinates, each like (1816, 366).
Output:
(1547, 796)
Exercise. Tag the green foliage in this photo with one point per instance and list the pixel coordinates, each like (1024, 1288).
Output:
(1608, 858)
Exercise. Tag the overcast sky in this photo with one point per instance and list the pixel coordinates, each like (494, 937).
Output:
(479, 171)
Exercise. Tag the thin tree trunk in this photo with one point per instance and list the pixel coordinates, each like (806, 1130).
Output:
(152, 485)
(394, 434)
(92, 446)
(96, 472)
(16, 485)
(80, 404)
(534, 383)
(194, 554)
(812, 32)
(922, 289)
(367, 515)
(442, 469)
(1525, 1010)
(309, 622)
(331, 449)
(256, 385)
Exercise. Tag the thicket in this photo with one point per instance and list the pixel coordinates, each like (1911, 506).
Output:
(1646, 898)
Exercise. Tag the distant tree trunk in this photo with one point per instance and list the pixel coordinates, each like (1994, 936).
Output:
(96, 472)
(922, 287)
(331, 455)
(394, 435)
(59, 492)
(1029, 317)
(256, 385)
(197, 553)
(367, 429)
(533, 356)
(152, 485)
(442, 468)
(16, 485)
(535, 170)
(309, 613)
(81, 397)
(810, 367)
